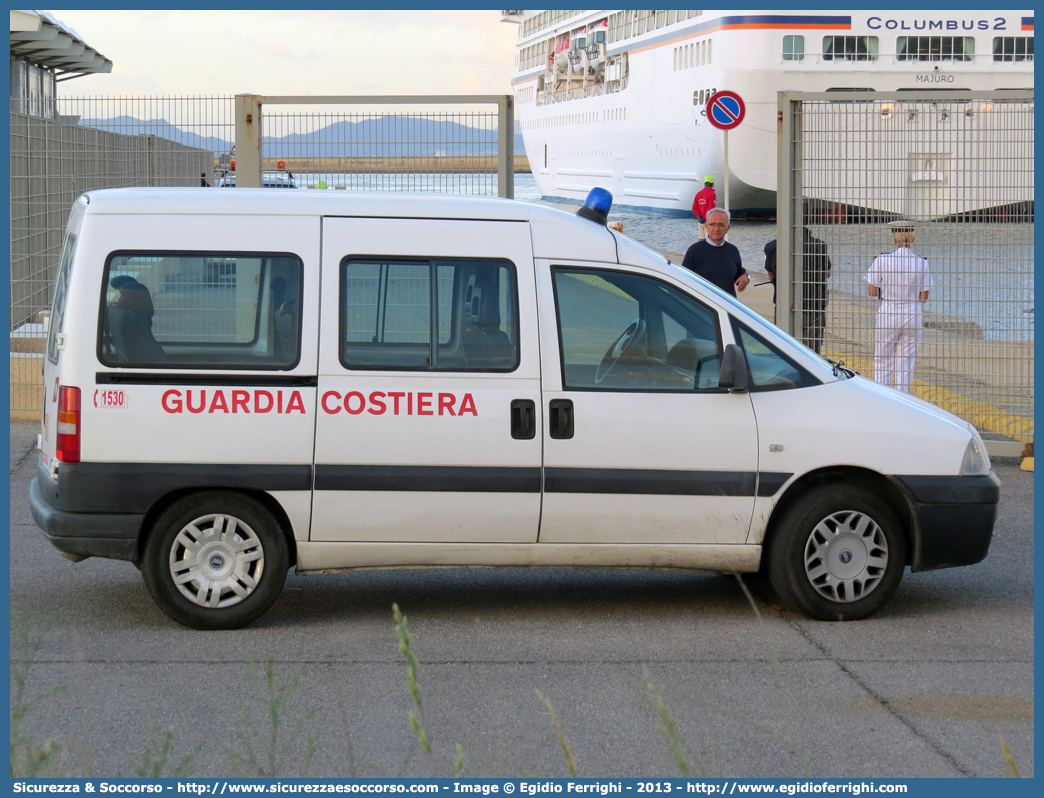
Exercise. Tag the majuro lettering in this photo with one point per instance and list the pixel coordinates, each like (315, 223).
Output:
(398, 403)
(218, 400)
(876, 23)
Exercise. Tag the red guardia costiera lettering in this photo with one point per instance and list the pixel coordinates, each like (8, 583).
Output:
(220, 401)
(399, 403)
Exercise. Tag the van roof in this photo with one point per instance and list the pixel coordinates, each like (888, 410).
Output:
(556, 233)
(257, 201)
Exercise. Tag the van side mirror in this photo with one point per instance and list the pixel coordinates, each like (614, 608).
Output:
(733, 373)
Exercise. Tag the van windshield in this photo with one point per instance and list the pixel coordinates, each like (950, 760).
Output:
(816, 363)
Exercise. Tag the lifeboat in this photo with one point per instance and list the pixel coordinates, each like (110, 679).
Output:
(577, 46)
(562, 52)
(596, 35)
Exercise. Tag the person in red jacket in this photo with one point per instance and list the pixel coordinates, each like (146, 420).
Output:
(705, 200)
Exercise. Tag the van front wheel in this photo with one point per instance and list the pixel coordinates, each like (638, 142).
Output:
(838, 553)
(215, 560)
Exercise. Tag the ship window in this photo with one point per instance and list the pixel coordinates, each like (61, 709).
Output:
(793, 48)
(1013, 48)
(710, 51)
(850, 48)
(935, 48)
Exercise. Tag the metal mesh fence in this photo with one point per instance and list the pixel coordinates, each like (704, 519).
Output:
(445, 152)
(111, 142)
(94, 142)
(874, 185)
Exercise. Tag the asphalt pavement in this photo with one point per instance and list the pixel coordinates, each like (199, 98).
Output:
(927, 687)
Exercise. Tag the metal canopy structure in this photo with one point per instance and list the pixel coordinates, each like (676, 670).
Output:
(39, 38)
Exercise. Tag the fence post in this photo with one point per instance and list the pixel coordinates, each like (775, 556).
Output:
(784, 200)
(506, 146)
(150, 160)
(248, 140)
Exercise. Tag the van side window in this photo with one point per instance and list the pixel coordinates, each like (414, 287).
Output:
(770, 369)
(625, 332)
(429, 315)
(201, 310)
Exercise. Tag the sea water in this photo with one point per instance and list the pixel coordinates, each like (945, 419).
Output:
(983, 271)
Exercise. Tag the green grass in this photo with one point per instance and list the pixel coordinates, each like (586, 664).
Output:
(271, 739)
(29, 758)
(416, 716)
(155, 759)
(269, 745)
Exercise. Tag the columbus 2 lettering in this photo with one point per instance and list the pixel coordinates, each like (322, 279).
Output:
(218, 400)
(997, 23)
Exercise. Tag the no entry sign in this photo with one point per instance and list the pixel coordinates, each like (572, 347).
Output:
(725, 110)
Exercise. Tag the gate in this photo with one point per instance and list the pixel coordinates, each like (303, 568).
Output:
(956, 168)
(349, 142)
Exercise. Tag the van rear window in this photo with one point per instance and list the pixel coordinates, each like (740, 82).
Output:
(201, 310)
(61, 294)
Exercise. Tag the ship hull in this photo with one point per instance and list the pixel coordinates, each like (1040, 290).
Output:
(645, 135)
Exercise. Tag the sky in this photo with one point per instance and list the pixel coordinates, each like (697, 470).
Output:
(295, 52)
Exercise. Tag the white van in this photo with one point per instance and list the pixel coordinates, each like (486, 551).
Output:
(268, 180)
(240, 382)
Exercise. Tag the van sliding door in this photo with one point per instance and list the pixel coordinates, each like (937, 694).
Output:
(429, 383)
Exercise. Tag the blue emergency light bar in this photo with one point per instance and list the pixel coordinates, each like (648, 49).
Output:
(596, 206)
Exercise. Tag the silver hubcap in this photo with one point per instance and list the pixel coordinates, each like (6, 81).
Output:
(846, 556)
(216, 561)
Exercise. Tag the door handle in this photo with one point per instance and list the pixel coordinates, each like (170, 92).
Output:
(560, 418)
(523, 419)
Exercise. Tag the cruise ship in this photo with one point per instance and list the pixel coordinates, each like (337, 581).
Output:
(618, 99)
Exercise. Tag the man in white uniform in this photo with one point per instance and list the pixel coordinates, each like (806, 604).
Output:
(902, 281)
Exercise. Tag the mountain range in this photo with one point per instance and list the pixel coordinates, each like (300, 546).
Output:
(382, 136)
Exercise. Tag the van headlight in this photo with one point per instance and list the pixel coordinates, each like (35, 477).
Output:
(976, 462)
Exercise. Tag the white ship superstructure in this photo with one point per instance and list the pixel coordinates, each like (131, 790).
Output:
(617, 99)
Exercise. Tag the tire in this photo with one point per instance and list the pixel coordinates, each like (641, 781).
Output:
(838, 553)
(242, 570)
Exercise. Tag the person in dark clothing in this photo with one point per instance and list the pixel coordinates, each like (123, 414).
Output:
(770, 267)
(714, 258)
(203, 180)
(816, 267)
(815, 273)
(131, 325)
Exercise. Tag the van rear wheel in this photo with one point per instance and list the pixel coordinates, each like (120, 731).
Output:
(838, 553)
(215, 560)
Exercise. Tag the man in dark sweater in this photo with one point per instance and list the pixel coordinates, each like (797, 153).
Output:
(714, 258)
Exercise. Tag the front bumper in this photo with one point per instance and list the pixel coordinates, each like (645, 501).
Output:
(953, 518)
(109, 535)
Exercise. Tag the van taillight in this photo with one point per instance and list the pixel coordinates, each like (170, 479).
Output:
(68, 443)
